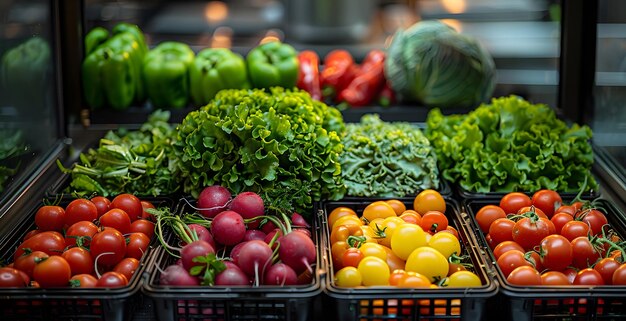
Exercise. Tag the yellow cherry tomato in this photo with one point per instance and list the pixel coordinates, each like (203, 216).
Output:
(347, 220)
(464, 279)
(406, 238)
(378, 209)
(348, 277)
(429, 200)
(339, 212)
(374, 271)
(386, 229)
(414, 281)
(429, 262)
(373, 249)
(446, 243)
(397, 205)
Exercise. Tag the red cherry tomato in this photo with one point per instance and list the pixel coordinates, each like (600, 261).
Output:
(512, 202)
(80, 233)
(524, 275)
(547, 201)
(588, 276)
(510, 260)
(26, 262)
(50, 242)
(50, 218)
(554, 278)
(130, 204)
(584, 253)
(80, 210)
(607, 267)
(556, 252)
(487, 214)
(574, 229)
(83, 281)
(143, 226)
(145, 215)
(434, 221)
(501, 230)
(102, 203)
(117, 219)
(137, 245)
(112, 280)
(528, 232)
(560, 219)
(596, 220)
(108, 247)
(52, 272)
(532, 209)
(80, 260)
(127, 267)
(11, 278)
(352, 257)
(619, 276)
(505, 247)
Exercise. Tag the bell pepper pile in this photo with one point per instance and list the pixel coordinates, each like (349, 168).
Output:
(119, 71)
(345, 82)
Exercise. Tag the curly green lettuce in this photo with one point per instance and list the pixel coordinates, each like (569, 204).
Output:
(279, 143)
(387, 159)
(512, 145)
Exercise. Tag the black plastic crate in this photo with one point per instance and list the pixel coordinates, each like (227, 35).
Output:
(572, 303)
(392, 303)
(213, 303)
(109, 304)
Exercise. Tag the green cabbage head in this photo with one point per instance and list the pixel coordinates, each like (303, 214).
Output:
(433, 64)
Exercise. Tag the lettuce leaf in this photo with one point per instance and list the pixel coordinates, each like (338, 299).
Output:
(511, 145)
(281, 144)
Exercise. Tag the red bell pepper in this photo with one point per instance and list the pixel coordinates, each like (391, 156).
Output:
(368, 81)
(339, 70)
(309, 75)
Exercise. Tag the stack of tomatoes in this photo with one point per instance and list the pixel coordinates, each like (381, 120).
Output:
(539, 240)
(392, 245)
(89, 243)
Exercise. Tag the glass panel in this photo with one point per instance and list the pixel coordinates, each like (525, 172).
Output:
(609, 116)
(28, 121)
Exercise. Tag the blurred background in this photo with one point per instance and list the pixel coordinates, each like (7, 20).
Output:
(523, 36)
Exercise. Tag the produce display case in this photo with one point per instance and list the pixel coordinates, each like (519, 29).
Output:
(549, 302)
(65, 126)
(393, 303)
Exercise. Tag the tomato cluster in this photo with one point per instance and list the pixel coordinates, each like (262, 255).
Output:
(392, 245)
(89, 243)
(539, 240)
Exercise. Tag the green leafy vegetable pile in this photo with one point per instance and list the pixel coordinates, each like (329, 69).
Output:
(139, 162)
(281, 144)
(387, 159)
(511, 145)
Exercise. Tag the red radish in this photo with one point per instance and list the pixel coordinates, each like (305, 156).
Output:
(280, 274)
(213, 200)
(233, 275)
(254, 257)
(203, 234)
(254, 235)
(177, 275)
(298, 220)
(231, 264)
(303, 230)
(234, 253)
(270, 235)
(297, 250)
(268, 227)
(192, 250)
(228, 228)
(248, 205)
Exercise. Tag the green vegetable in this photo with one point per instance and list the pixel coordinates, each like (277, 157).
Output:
(433, 64)
(111, 72)
(273, 64)
(166, 74)
(387, 159)
(511, 145)
(95, 38)
(24, 74)
(281, 144)
(215, 69)
(139, 162)
(12, 145)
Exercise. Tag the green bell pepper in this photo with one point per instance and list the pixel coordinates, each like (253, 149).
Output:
(215, 69)
(273, 64)
(24, 72)
(95, 38)
(166, 74)
(111, 71)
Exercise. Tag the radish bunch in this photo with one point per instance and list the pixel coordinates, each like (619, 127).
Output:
(232, 241)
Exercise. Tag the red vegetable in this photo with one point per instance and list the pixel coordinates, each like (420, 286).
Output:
(338, 72)
(368, 81)
(309, 75)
